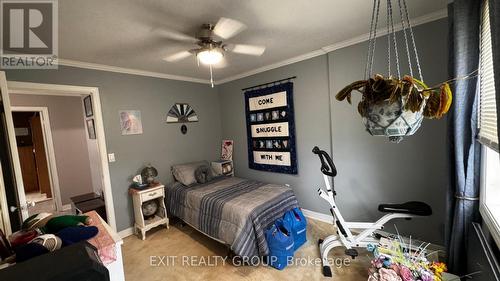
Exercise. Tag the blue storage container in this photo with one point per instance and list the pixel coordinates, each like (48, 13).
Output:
(296, 220)
(280, 242)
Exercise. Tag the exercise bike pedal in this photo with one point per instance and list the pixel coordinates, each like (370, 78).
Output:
(327, 272)
(351, 252)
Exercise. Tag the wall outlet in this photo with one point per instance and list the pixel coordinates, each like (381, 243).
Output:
(111, 157)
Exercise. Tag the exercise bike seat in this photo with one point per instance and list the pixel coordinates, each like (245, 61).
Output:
(412, 208)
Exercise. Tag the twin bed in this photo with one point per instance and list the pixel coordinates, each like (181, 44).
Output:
(231, 210)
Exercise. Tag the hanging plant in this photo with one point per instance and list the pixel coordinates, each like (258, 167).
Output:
(413, 94)
(391, 106)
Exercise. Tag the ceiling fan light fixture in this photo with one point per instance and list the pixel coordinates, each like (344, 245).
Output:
(210, 56)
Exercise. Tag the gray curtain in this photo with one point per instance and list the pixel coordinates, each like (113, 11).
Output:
(464, 150)
(495, 44)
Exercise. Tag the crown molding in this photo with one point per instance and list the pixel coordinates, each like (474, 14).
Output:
(303, 57)
(103, 67)
(383, 31)
(330, 48)
(443, 13)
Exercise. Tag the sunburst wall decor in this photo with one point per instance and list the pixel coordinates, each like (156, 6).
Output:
(181, 113)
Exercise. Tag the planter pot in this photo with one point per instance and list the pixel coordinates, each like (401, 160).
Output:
(392, 120)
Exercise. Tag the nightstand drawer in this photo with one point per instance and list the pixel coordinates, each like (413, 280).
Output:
(151, 195)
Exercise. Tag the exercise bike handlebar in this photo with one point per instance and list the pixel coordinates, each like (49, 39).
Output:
(327, 166)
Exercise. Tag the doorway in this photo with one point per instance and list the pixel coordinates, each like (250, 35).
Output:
(11, 167)
(36, 155)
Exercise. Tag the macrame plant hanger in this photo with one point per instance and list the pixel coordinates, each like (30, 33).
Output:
(406, 28)
(408, 122)
(395, 105)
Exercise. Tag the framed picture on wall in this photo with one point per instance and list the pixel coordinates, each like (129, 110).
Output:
(130, 122)
(87, 103)
(227, 150)
(91, 129)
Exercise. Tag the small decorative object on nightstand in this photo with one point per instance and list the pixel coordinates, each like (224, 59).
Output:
(149, 209)
(223, 167)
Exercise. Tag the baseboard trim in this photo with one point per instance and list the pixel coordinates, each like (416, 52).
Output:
(317, 216)
(126, 232)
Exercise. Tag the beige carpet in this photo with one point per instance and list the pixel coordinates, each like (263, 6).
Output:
(174, 254)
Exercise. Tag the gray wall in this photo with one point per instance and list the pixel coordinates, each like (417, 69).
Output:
(161, 145)
(69, 137)
(371, 170)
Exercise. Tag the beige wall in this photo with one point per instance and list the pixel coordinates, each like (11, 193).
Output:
(70, 141)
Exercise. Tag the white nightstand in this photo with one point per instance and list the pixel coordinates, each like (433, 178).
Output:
(160, 218)
(223, 167)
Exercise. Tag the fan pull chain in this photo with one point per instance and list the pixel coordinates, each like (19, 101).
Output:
(413, 41)
(211, 76)
(403, 25)
(370, 41)
(394, 39)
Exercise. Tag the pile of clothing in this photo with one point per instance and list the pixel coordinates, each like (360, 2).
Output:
(44, 232)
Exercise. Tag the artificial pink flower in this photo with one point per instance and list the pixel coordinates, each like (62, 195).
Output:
(388, 275)
(395, 268)
(406, 274)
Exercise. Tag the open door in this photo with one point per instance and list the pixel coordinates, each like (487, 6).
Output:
(13, 191)
(4, 209)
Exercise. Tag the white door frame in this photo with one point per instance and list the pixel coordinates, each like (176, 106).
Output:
(49, 149)
(14, 153)
(70, 90)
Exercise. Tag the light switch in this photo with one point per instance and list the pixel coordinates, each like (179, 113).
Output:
(111, 157)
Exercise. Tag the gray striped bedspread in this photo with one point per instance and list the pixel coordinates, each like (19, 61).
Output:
(234, 210)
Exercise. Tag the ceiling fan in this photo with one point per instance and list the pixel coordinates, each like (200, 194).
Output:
(211, 46)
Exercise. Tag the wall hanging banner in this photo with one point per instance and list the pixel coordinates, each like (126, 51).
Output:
(271, 129)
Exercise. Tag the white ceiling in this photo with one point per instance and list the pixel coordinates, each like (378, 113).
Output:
(127, 33)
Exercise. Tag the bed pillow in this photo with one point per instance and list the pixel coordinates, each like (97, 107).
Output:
(203, 174)
(184, 173)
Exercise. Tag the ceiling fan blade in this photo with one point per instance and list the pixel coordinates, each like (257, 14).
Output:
(178, 56)
(227, 28)
(177, 36)
(253, 50)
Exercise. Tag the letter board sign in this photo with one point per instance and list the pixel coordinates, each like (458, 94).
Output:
(271, 129)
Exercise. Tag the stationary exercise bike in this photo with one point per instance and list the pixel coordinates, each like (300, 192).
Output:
(366, 235)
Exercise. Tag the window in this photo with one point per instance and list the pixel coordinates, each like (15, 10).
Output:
(487, 103)
(488, 135)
